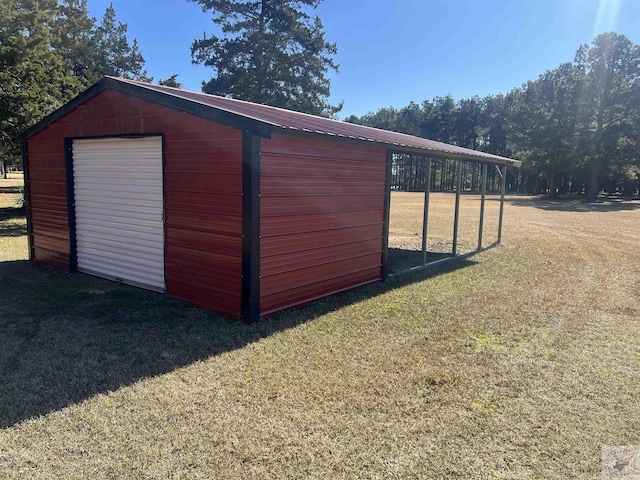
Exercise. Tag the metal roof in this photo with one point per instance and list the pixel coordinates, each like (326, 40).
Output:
(264, 119)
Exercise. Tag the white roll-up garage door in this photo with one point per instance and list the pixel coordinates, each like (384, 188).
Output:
(119, 209)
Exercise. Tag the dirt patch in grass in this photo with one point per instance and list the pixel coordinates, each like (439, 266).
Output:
(520, 364)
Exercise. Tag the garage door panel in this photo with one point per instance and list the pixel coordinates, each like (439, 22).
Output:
(118, 260)
(124, 184)
(135, 222)
(139, 279)
(117, 209)
(106, 192)
(117, 170)
(148, 202)
(118, 196)
(118, 150)
(142, 248)
(135, 238)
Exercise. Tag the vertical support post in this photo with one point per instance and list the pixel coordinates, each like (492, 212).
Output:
(71, 205)
(425, 215)
(502, 191)
(456, 217)
(387, 215)
(27, 198)
(483, 189)
(250, 295)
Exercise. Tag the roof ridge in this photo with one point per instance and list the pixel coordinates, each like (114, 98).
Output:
(150, 86)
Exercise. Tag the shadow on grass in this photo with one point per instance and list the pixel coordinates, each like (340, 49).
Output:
(10, 213)
(13, 230)
(575, 205)
(10, 229)
(401, 259)
(11, 189)
(65, 337)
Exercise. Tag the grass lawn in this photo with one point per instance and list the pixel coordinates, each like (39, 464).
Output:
(521, 362)
(13, 228)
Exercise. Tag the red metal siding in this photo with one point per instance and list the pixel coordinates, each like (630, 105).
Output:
(203, 193)
(203, 199)
(322, 219)
(48, 201)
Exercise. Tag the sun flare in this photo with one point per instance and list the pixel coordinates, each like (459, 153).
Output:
(607, 17)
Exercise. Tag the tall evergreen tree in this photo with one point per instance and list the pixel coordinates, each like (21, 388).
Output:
(609, 105)
(50, 50)
(271, 52)
(116, 57)
(32, 81)
(74, 40)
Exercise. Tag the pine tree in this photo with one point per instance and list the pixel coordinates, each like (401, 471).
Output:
(271, 52)
(609, 106)
(50, 50)
(32, 79)
(115, 56)
(74, 39)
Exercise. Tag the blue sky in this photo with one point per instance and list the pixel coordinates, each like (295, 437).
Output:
(392, 52)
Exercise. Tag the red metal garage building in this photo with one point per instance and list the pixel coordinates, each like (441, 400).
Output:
(240, 208)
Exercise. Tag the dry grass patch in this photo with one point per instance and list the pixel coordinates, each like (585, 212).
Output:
(519, 364)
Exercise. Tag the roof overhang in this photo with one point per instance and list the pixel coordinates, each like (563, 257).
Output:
(397, 147)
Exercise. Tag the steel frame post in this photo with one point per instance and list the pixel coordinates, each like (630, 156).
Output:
(387, 215)
(425, 216)
(250, 293)
(504, 187)
(454, 250)
(483, 189)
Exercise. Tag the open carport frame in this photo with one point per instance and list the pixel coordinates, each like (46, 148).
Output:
(455, 254)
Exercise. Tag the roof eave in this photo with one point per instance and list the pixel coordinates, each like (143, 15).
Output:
(493, 159)
(473, 155)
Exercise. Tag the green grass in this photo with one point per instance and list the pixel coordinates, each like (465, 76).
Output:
(13, 227)
(518, 363)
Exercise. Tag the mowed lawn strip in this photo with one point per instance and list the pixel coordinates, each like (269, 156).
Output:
(520, 362)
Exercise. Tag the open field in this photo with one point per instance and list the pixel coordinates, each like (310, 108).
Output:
(520, 362)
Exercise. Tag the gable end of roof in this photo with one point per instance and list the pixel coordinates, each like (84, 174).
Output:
(227, 118)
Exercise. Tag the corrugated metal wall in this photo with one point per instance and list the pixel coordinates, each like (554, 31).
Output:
(48, 199)
(322, 219)
(203, 193)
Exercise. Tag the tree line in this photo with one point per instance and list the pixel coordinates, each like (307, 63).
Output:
(409, 174)
(51, 50)
(576, 128)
